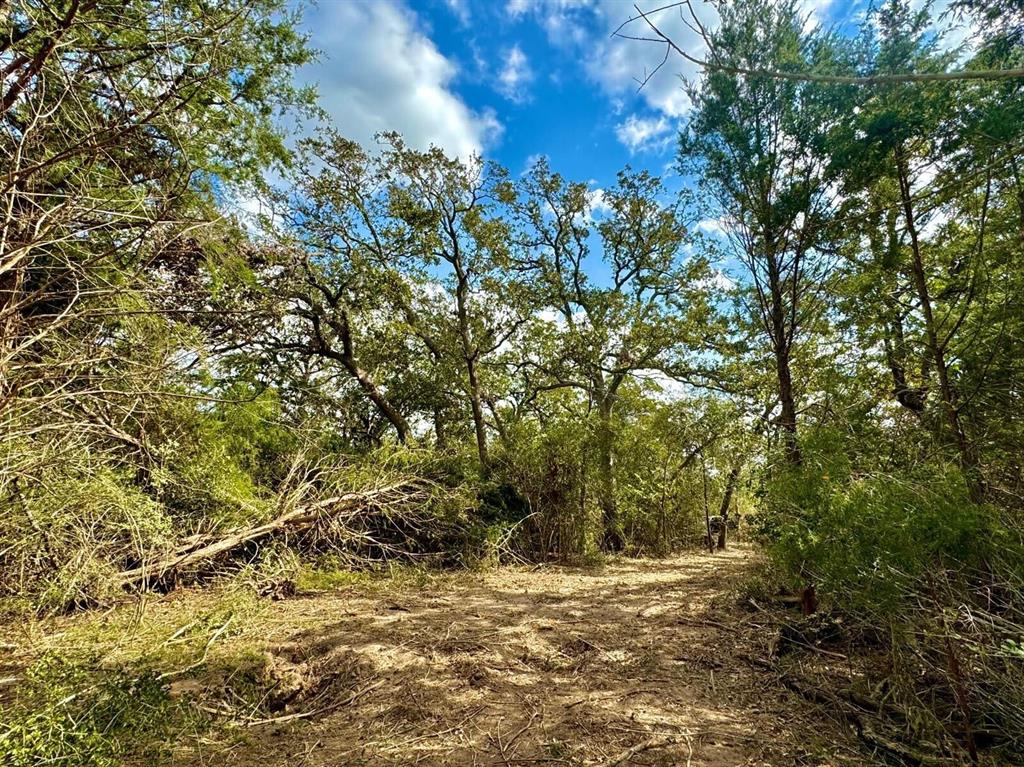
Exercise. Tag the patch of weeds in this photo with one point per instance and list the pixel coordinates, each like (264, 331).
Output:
(406, 713)
(327, 573)
(157, 634)
(314, 580)
(471, 671)
(16, 608)
(541, 662)
(69, 714)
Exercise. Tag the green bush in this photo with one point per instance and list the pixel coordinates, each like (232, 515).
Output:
(204, 487)
(63, 716)
(870, 538)
(71, 530)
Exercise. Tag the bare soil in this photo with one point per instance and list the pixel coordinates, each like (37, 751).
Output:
(641, 662)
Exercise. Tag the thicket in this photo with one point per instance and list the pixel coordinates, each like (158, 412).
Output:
(880, 227)
(462, 367)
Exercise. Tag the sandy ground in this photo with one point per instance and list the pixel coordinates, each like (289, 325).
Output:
(638, 662)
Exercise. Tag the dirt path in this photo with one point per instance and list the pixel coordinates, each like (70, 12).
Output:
(538, 666)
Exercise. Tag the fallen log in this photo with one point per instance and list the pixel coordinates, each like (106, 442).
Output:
(195, 549)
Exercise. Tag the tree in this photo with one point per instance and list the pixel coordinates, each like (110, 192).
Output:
(1003, 16)
(650, 313)
(401, 254)
(451, 211)
(327, 283)
(918, 163)
(120, 119)
(750, 141)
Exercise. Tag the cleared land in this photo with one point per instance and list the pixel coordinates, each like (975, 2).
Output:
(644, 662)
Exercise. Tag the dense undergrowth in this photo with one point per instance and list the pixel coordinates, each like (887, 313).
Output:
(65, 715)
(927, 584)
(413, 359)
(76, 524)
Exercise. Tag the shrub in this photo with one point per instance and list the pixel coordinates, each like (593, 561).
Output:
(204, 487)
(71, 529)
(62, 716)
(870, 537)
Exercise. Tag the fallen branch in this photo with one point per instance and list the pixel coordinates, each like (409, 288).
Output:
(649, 744)
(307, 714)
(852, 712)
(195, 550)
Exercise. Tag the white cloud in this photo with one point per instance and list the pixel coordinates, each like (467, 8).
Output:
(717, 280)
(621, 65)
(662, 386)
(598, 202)
(380, 72)
(964, 33)
(551, 316)
(712, 226)
(642, 134)
(518, 8)
(816, 13)
(460, 8)
(515, 76)
(249, 209)
(598, 208)
(584, 28)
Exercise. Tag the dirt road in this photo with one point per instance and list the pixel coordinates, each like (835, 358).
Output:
(636, 662)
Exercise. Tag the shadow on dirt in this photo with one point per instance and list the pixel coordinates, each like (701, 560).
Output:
(531, 666)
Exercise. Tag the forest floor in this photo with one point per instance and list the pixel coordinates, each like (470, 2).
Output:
(641, 662)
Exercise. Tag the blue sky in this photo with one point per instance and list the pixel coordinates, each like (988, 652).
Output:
(511, 79)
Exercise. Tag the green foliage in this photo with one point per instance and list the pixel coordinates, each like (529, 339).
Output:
(432, 325)
(67, 716)
(869, 540)
(545, 473)
(327, 575)
(72, 528)
(203, 485)
(250, 424)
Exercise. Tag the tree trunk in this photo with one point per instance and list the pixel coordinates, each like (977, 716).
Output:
(788, 416)
(381, 402)
(895, 354)
(10, 319)
(707, 509)
(366, 383)
(469, 356)
(16, 250)
(611, 530)
(782, 338)
(663, 535)
(199, 548)
(730, 488)
(965, 450)
(440, 435)
(479, 425)
(581, 528)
